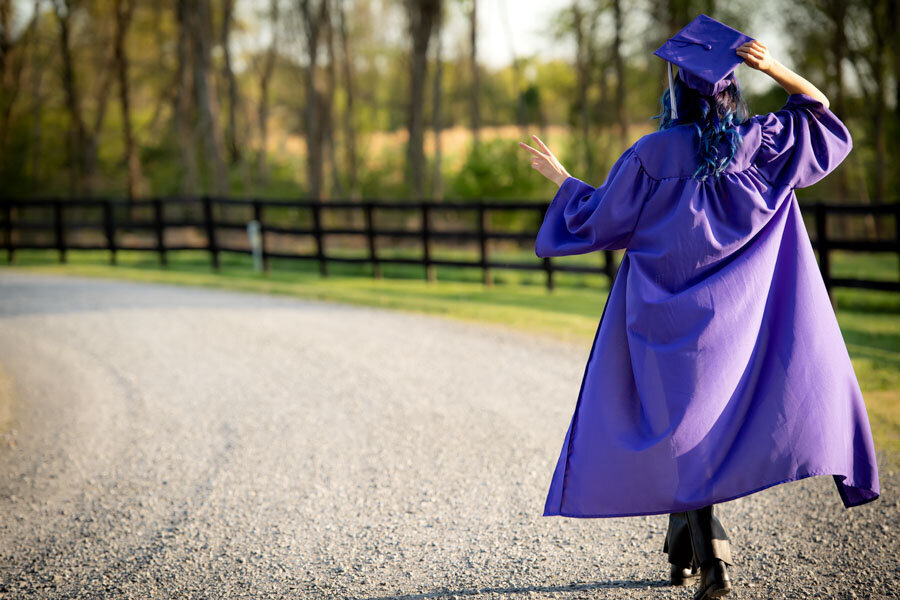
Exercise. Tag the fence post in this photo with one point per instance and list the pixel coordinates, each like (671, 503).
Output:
(317, 233)
(109, 228)
(430, 275)
(258, 216)
(60, 229)
(483, 245)
(210, 231)
(822, 246)
(548, 268)
(370, 235)
(609, 265)
(159, 226)
(7, 225)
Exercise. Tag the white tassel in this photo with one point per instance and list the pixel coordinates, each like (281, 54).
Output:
(672, 93)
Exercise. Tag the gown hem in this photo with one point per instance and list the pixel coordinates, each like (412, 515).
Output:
(719, 501)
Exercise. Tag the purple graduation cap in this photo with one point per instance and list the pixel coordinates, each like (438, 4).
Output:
(704, 51)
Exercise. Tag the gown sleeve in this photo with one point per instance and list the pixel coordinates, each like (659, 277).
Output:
(581, 218)
(801, 143)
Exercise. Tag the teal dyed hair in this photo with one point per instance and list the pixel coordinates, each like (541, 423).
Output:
(714, 117)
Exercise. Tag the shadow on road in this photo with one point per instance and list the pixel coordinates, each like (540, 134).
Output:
(575, 587)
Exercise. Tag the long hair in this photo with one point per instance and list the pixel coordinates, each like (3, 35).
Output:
(714, 117)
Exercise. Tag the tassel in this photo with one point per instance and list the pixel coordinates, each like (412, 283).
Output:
(672, 93)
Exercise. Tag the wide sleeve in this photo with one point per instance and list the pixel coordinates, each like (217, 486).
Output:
(801, 143)
(581, 218)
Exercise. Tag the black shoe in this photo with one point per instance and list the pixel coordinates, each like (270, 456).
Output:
(714, 581)
(681, 575)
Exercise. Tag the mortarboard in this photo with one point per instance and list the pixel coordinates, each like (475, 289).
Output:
(704, 51)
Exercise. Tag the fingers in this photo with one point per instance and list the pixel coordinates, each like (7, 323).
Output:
(753, 52)
(530, 149)
(753, 44)
(757, 52)
(541, 144)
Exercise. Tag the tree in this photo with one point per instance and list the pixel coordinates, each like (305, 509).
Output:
(183, 101)
(12, 63)
(83, 140)
(37, 105)
(621, 84)
(77, 142)
(313, 18)
(437, 190)
(422, 16)
(265, 80)
(328, 105)
(231, 141)
(124, 13)
(584, 27)
(349, 90)
(476, 81)
(205, 101)
(869, 58)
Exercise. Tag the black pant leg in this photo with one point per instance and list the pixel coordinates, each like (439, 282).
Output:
(721, 544)
(695, 537)
(678, 541)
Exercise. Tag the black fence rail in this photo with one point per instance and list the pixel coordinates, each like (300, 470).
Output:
(118, 216)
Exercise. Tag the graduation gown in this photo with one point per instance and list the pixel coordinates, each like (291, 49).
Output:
(718, 368)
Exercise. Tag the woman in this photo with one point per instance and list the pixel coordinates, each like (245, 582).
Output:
(718, 368)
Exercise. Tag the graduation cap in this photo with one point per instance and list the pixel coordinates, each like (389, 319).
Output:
(704, 51)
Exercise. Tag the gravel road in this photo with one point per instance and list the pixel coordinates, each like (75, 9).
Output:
(175, 442)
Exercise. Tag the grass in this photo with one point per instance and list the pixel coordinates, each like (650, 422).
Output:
(518, 300)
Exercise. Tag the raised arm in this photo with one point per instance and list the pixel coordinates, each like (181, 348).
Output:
(756, 56)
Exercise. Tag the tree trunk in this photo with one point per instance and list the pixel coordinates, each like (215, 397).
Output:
(12, 62)
(201, 36)
(312, 21)
(93, 134)
(422, 15)
(77, 134)
(437, 181)
(836, 11)
(124, 13)
(337, 187)
(879, 48)
(893, 24)
(621, 104)
(6, 43)
(37, 111)
(874, 90)
(231, 141)
(182, 111)
(349, 128)
(264, 81)
(582, 71)
(476, 82)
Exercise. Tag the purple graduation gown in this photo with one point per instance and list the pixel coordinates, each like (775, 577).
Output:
(718, 368)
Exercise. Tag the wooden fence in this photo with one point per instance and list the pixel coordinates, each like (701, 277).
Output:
(112, 222)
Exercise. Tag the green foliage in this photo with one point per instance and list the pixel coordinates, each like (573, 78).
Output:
(384, 178)
(496, 169)
(537, 90)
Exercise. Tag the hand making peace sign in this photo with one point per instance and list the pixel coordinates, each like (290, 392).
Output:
(546, 163)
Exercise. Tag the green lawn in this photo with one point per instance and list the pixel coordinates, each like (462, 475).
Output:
(869, 320)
